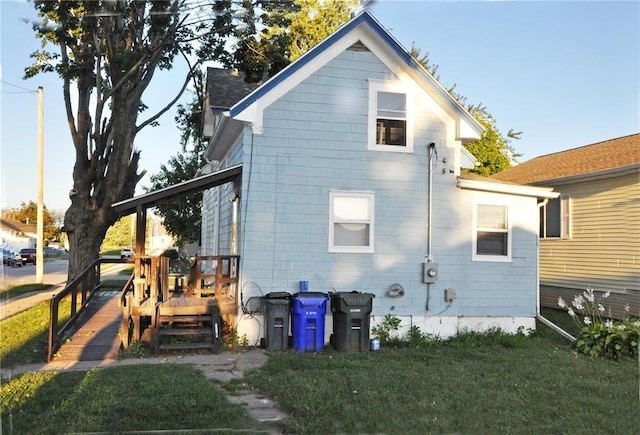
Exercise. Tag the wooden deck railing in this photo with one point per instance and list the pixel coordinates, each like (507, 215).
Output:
(79, 291)
(147, 287)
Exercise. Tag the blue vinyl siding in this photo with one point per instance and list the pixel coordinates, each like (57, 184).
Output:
(315, 140)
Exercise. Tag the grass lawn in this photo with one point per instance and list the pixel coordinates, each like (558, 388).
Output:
(132, 398)
(499, 385)
(474, 384)
(24, 337)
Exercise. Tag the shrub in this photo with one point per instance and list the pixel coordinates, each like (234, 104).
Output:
(598, 335)
(383, 331)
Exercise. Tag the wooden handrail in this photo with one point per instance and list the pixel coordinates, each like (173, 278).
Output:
(85, 285)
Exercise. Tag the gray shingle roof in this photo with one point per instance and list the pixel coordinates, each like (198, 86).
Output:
(226, 87)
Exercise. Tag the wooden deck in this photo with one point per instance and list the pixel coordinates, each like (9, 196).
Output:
(150, 307)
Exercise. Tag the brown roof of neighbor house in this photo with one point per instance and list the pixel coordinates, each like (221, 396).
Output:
(225, 87)
(612, 154)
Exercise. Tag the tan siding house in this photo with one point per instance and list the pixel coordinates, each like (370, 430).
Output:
(590, 236)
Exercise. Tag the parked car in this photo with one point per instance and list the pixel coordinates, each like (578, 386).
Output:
(11, 258)
(28, 255)
(6, 254)
(126, 253)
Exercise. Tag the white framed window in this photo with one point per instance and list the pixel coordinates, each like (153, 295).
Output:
(390, 117)
(492, 232)
(555, 218)
(351, 221)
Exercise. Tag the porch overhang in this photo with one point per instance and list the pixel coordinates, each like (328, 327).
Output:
(151, 199)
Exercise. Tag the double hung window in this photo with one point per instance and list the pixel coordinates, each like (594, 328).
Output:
(492, 234)
(351, 221)
(390, 117)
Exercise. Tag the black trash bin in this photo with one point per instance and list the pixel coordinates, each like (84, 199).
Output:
(351, 320)
(276, 316)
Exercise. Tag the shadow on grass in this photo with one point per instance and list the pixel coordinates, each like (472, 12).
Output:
(133, 398)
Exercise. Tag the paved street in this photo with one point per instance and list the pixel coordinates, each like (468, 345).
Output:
(55, 272)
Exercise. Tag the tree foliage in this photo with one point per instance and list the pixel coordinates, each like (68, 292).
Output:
(493, 150)
(182, 216)
(108, 51)
(290, 29)
(120, 234)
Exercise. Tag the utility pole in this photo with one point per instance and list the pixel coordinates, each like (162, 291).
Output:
(40, 222)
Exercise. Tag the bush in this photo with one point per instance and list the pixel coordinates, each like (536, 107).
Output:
(599, 336)
(383, 331)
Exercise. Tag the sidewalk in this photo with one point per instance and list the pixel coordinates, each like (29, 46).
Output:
(18, 304)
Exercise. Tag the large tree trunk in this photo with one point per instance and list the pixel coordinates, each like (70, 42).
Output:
(85, 231)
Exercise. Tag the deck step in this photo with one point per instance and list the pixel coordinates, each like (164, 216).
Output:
(194, 332)
(183, 319)
(186, 346)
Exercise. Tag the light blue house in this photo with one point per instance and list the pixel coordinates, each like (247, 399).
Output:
(351, 164)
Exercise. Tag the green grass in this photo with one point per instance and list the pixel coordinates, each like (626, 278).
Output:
(24, 337)
(132, 398)
(516, 385)
(472, 384)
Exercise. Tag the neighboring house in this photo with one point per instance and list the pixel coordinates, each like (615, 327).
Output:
(351, 180)
(158, 239)
(590, 235)
(16, 235)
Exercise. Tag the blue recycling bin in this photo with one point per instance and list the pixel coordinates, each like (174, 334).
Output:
(307, 321)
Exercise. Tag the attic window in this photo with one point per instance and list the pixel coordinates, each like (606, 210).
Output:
(390, 117)
(358, 46)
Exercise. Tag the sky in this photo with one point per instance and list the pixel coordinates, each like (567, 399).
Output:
(564, 73)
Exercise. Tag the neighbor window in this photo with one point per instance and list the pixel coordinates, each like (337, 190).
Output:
(555, 220)
(492, 235)
(390, 127)
(351, 221)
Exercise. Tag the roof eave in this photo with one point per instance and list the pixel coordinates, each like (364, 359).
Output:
(223, 138)
(507, 188)
(591, 176)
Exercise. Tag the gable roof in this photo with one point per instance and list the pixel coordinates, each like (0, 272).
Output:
(365, 30)
(598, 159)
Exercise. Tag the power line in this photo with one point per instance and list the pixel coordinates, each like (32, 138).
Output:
(19, 87)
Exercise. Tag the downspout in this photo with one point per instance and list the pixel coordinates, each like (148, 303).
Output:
(544, 320)
(234, 224)
(429, 257)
